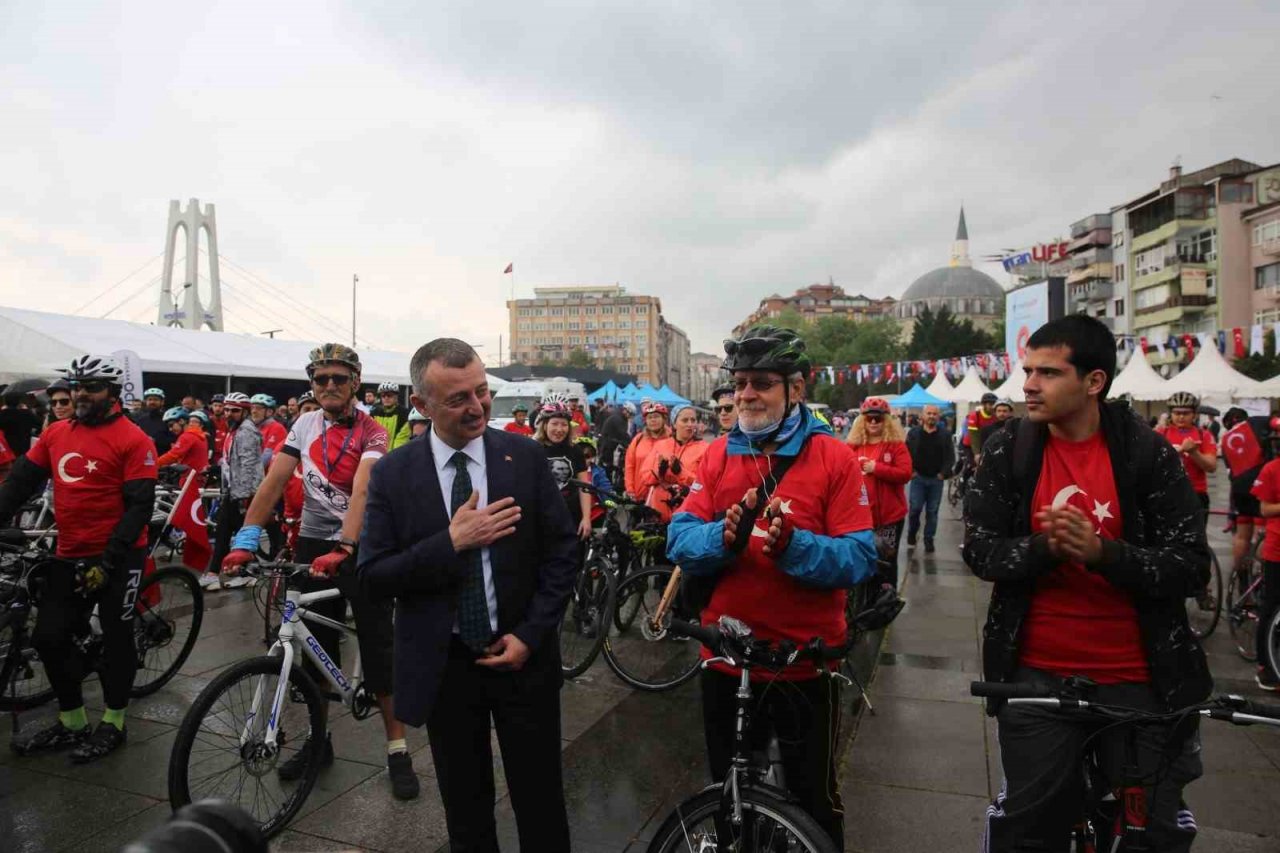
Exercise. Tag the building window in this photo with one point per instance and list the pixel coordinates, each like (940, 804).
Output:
(1271, 315)
(606, 324)
(642, 309)
(1267, 276)
(1150, 261)
(1151, 297)
(574, 340)
(573, 324)
(1117, 239)
(624, 309)
(1199, 248)
(589, 310)
(606, 309)
(1118, 271)
(557, 312)
(624, 324)
(1264, 231)
(1119, 308)
(557, 327)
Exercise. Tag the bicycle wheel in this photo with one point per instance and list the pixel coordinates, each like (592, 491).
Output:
(768, 823)
(1204, 608)
(23, 683)
(166, 625)
(953, 490)
(1242, 613)
(643, 654)
(220, 751)
(624, 614)
(584, 624)
(1272, 642)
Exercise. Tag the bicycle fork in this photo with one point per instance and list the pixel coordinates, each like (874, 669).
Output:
(277, 701)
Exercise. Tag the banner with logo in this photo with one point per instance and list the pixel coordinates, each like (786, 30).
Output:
(132, 367)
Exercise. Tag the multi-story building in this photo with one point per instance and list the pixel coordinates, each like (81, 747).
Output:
(706, 376)
(817, 301)
(1188, 260)
(1262, 222)
(674, 364)
(617, 330)
(1121, 310)
(1091, 287)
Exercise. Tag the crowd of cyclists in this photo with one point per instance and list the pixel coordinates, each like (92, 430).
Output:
(1089, 524)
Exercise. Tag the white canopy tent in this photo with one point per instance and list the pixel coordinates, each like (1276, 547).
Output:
(970, 389)
(37, 343)
(1139, 380)
(1011, 387)
(1210, 378)
(1270, 387)
(941, 388)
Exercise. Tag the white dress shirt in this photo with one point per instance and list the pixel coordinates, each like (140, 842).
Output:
(445, 472)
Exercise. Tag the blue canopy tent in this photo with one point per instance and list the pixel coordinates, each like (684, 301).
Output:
(632, 394)
(917, 398)
(666, 395)
(607, 392)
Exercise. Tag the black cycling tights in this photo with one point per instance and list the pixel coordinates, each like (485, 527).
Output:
(64, 615)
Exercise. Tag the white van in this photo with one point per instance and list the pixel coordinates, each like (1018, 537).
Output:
(530, 392)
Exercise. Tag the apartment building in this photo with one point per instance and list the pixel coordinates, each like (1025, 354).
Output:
(674, 366)
(815, 302)
(706, 376)
(617, 330)
(1262, 223)
(1091, 287)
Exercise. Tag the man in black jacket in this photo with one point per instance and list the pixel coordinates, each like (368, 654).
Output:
(614, 438)
(932, 458)
(1086, 524)
(466, 528)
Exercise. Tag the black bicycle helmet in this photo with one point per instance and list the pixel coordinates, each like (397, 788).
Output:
(1184, 400)
(766, 348)
(721, 391)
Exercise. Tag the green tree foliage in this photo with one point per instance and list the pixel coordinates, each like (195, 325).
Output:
(941, 335)
(1261, 367)
(580, 358)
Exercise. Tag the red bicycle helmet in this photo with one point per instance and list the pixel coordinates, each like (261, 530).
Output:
(655, 408)
(876, 405)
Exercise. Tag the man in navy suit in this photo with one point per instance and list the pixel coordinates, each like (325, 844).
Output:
(467, 530)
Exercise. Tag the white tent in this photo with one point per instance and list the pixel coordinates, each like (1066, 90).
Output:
(1210, 378)
(1139, 380)
(970, 389)
(941, 388)
(1011, 387)
(1270, 387)
(39, 342)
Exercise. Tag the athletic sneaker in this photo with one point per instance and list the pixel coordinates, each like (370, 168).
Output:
(292, 770)
(56, 736)
(928, 546)
(1266, 679)
(911, 538)
(235, 582)
(404, 784)
(106, 739)
(210, 582)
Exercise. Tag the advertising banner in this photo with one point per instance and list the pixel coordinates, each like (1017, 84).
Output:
(1025, 310)
(132, 367)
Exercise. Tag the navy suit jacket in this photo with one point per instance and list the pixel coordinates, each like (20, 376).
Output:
(406, 553)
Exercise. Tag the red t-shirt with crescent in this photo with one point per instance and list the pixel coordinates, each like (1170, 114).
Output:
(89, 466)
(1204, 440)
(1079, 623)
(1267, 489)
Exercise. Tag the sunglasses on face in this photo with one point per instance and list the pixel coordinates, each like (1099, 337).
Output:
(92, 386)
(1187, 412)
(759, 384)
(874, 419)
(60, 401)
(339, 380)
(232, 410)
(724, 410)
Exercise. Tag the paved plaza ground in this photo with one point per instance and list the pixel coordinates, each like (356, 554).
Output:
(916, 775)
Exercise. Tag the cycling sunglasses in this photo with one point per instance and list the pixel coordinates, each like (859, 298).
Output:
(92, 386)
(760, 384)
(59, 401)
(340, 380)
(874, 419)
(724, 410)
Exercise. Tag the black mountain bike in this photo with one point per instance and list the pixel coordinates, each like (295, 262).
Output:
(1116, 818)
(749, 812)
(169, 610)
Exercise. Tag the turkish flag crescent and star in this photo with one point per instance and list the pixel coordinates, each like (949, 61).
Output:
(188, 516)
(510, 268)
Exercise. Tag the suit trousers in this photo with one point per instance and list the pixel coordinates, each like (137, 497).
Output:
(527, 719)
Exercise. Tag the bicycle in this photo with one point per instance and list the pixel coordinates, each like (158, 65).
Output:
(1110, 818)
(750, 810)
(169, 610)
(261, 712)
(960, 480)
(1204, 608)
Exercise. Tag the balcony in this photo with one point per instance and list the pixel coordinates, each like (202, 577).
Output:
(1090, 223)
(1098, 237)
(1188, 303)
(1271, 247)
(1092, 255)
(1093, 271)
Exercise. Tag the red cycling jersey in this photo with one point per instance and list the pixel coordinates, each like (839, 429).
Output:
(1204, 443)
(519, 429)
(89, 466)
(273, 434)
(191, 449)
(1267, 489)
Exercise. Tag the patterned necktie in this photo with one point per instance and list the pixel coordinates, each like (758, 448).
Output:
(473, 605)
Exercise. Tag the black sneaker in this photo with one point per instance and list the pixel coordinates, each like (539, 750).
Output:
(56, 736)
(106, 739)
(1266, 679)
(928, 546)
(404, 784)
(292, 770)
(911, 538)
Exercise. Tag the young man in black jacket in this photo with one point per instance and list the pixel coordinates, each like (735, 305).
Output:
(1085, 522)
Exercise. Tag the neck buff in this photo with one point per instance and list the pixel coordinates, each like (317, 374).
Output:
(789, 426)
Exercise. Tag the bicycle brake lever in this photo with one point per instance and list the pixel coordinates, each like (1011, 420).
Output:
(706, 663)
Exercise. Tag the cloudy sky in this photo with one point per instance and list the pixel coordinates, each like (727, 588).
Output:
(706, 152)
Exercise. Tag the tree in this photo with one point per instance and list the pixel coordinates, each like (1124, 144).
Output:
(580, 358)
(940, 335)
(1261, 367)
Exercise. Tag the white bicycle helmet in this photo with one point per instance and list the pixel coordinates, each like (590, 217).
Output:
(153, 392)
(416, 417)
(90, 367)
(388, 388)
(237, 398)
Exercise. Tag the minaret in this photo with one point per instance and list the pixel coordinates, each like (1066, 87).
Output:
(960, 248)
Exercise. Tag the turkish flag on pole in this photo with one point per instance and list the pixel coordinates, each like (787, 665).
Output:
(510, 268)
(1237, 337)
(188, 516)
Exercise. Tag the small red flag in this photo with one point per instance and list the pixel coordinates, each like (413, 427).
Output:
(188, 516)
(1237, 335)
(510, 267)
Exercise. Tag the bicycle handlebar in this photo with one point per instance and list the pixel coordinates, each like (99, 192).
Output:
(1227, 707)
(1011, 690)
(733, 639)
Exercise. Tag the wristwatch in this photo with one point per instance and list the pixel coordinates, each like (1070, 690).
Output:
(350, 544)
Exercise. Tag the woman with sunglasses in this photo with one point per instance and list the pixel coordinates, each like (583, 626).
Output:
(60, 407)
(878, 441)
(675, 464)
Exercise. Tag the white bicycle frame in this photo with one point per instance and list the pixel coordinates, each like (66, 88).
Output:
(293, 631)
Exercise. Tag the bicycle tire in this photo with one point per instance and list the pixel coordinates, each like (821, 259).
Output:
(1204, 610)
(584, 624)
(645, 658)
(625, 614)
(762, 811)
(1272, 637)
(953, 491)
(17, 658)
(154, 639)
(192, 730)
(1242, 614)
